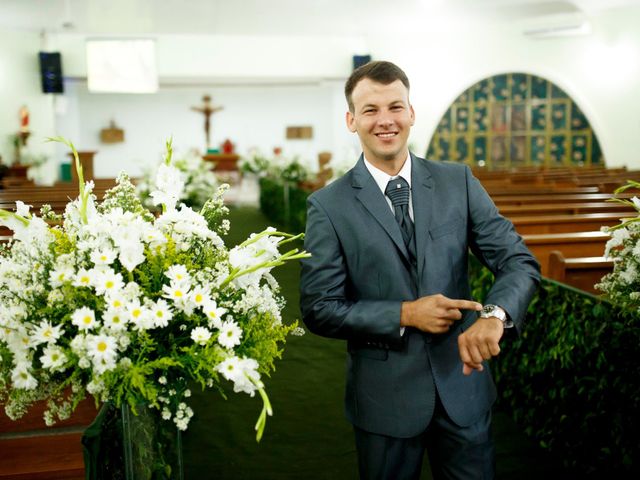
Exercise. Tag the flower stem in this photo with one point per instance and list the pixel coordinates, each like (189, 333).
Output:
(83, 196)
(266, 410)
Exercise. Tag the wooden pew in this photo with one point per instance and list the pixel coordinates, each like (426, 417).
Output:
(31, 450)
(582, 273)
(556, 198)
(579, 244)
(562, 209)
(495, 191)
(581, 222)
(57, 196)
(601, 181)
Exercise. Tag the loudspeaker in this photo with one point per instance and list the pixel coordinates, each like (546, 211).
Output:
(359, 60)
(51, 72)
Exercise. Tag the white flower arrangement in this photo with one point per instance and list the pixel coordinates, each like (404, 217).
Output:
(254, 162)
(623, 284)
(196, 181)
(129, 307)
(292, 169)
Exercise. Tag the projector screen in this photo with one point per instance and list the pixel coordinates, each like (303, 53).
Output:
(122, 65)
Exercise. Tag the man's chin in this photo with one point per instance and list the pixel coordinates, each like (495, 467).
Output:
(388, 156)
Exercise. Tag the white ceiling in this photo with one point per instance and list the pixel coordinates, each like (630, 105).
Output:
(272, 17)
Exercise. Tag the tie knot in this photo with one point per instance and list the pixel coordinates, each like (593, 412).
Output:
(398, 191)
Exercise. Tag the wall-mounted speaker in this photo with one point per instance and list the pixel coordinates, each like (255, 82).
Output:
(359, 60)
(51, 72)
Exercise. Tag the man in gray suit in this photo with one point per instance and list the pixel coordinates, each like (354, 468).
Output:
(389, 274)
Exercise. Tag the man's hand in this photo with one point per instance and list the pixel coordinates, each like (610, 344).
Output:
(434, 313)
(480, 342)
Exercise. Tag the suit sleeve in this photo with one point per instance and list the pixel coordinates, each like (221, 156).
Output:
(494, 241)
(327, 307)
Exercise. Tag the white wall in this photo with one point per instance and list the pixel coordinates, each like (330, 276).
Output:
(20, 85)
(253, 116)
(266, 83)
(216, 58)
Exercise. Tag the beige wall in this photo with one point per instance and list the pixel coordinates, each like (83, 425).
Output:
(20, 85)
(443, 57)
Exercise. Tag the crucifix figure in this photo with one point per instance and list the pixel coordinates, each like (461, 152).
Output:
(207, 110)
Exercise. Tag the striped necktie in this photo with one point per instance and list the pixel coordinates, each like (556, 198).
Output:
(398, 191)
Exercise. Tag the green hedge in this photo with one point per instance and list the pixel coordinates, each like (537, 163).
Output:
(571, 380)
(284, 203)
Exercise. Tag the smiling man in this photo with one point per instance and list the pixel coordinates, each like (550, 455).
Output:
(388, 273)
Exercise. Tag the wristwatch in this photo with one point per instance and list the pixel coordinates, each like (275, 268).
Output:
(489, 311)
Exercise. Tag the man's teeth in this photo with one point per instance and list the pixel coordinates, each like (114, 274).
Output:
(386, 135)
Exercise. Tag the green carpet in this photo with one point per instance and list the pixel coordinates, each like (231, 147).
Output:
(308, 437)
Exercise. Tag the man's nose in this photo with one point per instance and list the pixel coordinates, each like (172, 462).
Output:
(385, 119)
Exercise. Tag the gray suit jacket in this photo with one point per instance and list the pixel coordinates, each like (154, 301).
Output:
(358, 275)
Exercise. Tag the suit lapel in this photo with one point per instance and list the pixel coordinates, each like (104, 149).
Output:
(371, 197)
(422, 196)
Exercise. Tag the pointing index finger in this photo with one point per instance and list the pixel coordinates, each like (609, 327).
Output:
(464, 304)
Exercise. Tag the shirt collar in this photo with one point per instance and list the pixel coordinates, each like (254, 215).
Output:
(383, 178)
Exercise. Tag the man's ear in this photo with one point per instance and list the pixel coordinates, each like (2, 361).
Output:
(413, 115)
(351, 121)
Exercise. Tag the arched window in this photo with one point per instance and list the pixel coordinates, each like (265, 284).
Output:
(512, 120)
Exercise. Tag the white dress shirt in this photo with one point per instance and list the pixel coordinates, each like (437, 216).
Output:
(382, 179)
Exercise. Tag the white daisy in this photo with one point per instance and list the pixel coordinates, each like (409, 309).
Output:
(161, 313)
(178, 292)
(53, 358)
(106, 256)
(230, 334)
(108, 282)
(214, 313)
(200, 296)
(115, 300)
(139, 315)
(115, 319)
(178, 273)
(22, 378)
(230, 368)
(102, 347)
(84, 318)
(46, 333)
(60, 275)
(200, 335)
(83, 278)
(101, 365)
(154, 237)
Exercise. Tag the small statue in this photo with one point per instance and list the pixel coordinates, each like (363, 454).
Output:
(24, 119)
(23, 133)
(228, 147)
(207, 110)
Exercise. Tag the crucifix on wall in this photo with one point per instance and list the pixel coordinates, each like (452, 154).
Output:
(207, 110)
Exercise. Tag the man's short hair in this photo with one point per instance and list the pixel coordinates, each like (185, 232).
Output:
(380, 71)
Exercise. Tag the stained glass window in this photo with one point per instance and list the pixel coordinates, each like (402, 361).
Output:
(512, 120)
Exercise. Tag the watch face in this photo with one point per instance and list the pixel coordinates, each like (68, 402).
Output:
(488, 309)
(493, 311)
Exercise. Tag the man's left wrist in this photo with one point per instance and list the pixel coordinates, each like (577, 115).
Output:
(495, 311)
